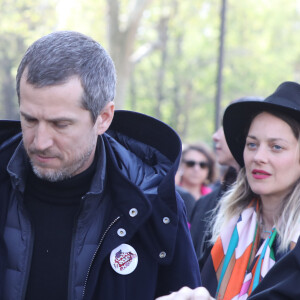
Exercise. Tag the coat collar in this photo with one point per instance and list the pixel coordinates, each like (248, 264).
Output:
(156, 135)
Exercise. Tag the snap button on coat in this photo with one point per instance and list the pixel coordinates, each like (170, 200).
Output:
(133, 212)
(121, 232)
(166, 220)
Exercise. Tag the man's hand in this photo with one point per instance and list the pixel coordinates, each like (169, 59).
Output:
(186, 293)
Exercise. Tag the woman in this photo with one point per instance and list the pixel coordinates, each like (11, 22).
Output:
(197, 170)
(257, 222)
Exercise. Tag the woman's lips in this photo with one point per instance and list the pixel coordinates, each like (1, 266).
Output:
(260, 174)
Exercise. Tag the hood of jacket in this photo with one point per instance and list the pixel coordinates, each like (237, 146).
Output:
(147, 151)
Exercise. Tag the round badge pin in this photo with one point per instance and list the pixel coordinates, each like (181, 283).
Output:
(124, 259)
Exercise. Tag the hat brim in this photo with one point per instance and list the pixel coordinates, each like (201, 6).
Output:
(236, 121)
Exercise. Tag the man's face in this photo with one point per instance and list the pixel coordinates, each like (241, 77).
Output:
(58, 134)
(223, 154)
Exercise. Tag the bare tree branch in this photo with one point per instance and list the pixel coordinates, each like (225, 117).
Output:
(136, 13)
(144, 51)
(113, 19)
(121, 42)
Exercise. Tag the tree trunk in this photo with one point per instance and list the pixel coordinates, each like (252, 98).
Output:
(220, 65)
(186, 109)
(8, 91)
(163, 38)
(177, 107)
(121, 43)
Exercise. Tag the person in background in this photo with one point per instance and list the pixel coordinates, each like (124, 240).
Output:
(202, 211)
(255, 252)
(88, 205)
(197, 170)
(189, 202)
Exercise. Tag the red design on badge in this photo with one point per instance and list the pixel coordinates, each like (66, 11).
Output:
(123, 259)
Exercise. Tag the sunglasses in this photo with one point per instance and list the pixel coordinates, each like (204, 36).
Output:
(192, 163)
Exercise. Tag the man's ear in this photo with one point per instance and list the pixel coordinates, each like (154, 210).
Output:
(105, 117)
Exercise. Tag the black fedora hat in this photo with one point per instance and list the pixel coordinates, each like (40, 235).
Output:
(237, 116)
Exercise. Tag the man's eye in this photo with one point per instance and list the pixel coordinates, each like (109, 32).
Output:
(61, 125)
(30, 121)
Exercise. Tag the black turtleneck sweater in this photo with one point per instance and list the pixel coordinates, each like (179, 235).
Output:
(53, 207)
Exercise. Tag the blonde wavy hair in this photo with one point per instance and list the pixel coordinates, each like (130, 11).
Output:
(237, 198)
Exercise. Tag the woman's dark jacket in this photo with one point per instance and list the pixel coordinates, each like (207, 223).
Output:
(282, 281)
(142, 155)
(188, 199)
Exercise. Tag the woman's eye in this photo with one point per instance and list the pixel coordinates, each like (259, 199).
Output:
(251, 145)
(277, 147)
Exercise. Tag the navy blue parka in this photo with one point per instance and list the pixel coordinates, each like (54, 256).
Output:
(141, 158)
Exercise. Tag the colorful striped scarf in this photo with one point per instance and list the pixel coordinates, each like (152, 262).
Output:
(237, 262)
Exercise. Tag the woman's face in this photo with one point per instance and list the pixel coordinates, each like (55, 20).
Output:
(271, 156)
(194, 168)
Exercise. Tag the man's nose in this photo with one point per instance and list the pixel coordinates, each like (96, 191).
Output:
(43, 138)
(215, 136)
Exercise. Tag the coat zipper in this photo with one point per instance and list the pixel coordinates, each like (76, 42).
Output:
(95, 253)
(30, 253)
(75, 224)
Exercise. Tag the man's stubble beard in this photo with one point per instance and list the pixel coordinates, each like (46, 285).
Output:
(68, 171)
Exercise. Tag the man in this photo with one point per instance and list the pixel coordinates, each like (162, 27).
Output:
(88, 203)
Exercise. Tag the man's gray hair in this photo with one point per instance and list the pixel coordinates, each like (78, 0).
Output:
(55, 58)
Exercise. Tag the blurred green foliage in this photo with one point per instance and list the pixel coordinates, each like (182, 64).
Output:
(175, 82)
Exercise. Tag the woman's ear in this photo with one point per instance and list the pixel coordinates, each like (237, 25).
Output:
(105, 117)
